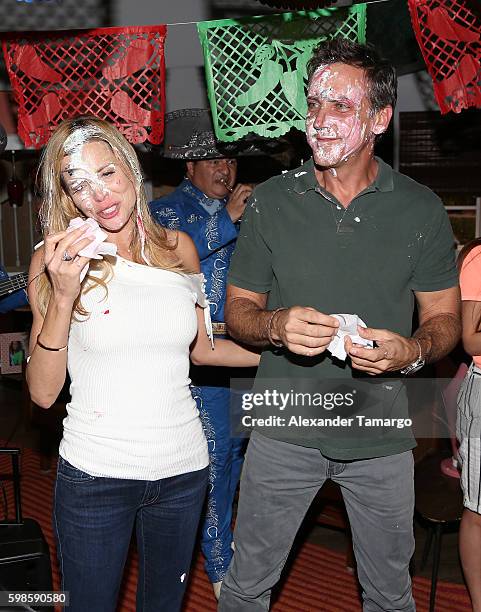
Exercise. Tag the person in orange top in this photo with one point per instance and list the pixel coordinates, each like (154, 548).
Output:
(468, 427)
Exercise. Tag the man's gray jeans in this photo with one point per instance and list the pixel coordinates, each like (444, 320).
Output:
(279, 482)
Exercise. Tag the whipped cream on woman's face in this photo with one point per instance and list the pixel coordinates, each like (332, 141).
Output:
(98, 184)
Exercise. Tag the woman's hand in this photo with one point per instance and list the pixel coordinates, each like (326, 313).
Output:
(64, 264)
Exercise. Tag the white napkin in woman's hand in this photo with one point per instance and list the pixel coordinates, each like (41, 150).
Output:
(97, 247)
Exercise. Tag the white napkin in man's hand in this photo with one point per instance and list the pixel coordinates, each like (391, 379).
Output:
(348, 324)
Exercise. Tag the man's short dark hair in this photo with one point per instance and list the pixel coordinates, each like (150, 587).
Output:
(380, 73)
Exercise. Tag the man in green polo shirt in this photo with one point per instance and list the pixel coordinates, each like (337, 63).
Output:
(342, 234)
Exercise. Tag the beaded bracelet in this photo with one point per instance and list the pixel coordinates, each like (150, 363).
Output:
(269, 327)
(49, 348)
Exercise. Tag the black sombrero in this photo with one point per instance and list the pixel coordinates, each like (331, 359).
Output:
(189, 135)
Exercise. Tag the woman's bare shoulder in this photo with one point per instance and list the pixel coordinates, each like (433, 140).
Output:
(187, 252)
(171, 235)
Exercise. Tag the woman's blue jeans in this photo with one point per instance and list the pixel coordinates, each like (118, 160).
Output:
(94, 519)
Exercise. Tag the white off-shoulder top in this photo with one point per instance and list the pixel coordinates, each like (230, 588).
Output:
(132, 414)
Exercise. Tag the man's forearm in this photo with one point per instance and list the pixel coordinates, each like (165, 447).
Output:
(438, 336)
(247, 322)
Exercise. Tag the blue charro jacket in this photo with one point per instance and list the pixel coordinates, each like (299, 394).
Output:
(214, 237)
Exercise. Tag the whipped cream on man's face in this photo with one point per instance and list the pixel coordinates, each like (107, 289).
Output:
(339, 120)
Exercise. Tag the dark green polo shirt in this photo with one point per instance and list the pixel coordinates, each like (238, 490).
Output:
(394, 238)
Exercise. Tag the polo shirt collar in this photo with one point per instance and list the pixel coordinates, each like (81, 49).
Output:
(384, 180)
(304, 179)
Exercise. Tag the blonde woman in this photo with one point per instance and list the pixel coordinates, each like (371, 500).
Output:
(133, 453)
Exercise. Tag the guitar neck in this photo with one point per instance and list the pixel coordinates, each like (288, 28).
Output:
(14, 283)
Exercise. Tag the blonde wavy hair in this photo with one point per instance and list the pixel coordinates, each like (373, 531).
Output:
(57, 208)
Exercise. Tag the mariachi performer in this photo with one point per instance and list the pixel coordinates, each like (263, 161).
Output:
(208, 205)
